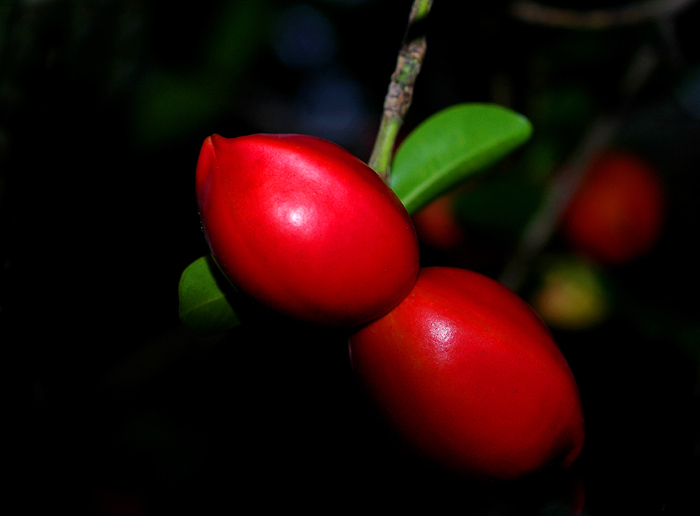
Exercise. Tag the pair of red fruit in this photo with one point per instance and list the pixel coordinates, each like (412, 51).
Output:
(463, 369)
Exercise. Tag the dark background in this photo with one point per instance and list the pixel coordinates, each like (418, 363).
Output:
(116, 409)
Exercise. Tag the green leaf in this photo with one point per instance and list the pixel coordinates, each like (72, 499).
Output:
(207, 298)
(451, 146)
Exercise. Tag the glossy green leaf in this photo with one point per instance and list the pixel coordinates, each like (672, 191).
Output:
(207, 298)
(452, 146)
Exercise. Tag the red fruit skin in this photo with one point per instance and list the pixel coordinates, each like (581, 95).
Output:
(617, 214)
(470, 376)
(305, 227)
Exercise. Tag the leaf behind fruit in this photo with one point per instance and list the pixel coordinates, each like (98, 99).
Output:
(206, 298)
(451, 146)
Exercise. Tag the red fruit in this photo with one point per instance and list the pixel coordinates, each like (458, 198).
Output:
(617, 213)
(437, 225)
(470, 376)
(305, 227)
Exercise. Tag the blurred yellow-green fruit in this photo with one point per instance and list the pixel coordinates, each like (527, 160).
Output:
(571, 295)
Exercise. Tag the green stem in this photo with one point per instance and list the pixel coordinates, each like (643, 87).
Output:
(384, 146)
(420, 9)
(400, 95)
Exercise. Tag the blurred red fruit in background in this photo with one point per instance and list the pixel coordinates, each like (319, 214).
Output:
(437, 225)
(617, 213)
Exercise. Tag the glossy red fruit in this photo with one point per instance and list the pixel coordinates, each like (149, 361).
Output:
(617, 213)
(305, 227)
(470, 376)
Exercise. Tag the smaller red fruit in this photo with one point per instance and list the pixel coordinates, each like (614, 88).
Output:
(437, 225)
(470, 376)
(617, 213)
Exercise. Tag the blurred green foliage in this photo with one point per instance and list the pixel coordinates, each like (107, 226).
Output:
(170, 104)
